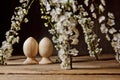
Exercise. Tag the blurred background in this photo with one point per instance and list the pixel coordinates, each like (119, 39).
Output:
(35, 27)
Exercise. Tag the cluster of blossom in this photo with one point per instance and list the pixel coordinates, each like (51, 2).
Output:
(60, 14)
(86, 20)
(107, 24)
(12, 35)
(116, 45)
(90, 37)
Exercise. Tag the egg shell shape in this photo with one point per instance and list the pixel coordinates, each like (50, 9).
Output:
(45, 47)
(30, 47)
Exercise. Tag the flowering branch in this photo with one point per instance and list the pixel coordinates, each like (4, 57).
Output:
(107, 24)
(90, 37)
(60, 15)
(12, 35)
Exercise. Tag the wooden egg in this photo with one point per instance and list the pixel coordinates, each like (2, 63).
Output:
(45, 50)
(30, 49)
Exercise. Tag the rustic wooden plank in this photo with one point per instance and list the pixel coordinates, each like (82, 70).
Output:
(84, 68)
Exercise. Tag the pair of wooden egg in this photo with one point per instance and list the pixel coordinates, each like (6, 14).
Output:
(31, 49)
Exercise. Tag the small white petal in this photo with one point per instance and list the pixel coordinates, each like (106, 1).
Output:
(112, 30)
(92, 8)
(111, 15)
(86, 2)
(103, 2)
(94, 15)
(103, 28)
(111, 22)
(101, 19)
(101, 8)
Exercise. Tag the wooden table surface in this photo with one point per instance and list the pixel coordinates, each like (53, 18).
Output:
(84, 68)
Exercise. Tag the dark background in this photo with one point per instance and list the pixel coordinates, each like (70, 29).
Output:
(35, 26)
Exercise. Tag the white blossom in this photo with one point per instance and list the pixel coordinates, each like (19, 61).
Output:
(107, 37)
(101, 8)
(24, 11)
(55, 1)
(52, 31)
(10, 38)
(92, 8)
(63, 38)
(63, 1)
(116, 45)
(22, 1)
(101, 19)
(94, 15)
(111, 15)
(73, 51)
(74, 7)
(85, 13)
(86, 2)
(116, 36)
(44, 2)
(48, 6)
(61, 52)
(25, 20)
(20, 12)
(103, 2)
(111, 22)
(103, 28)
(75, 41)
(54, 39)
(112, 30)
